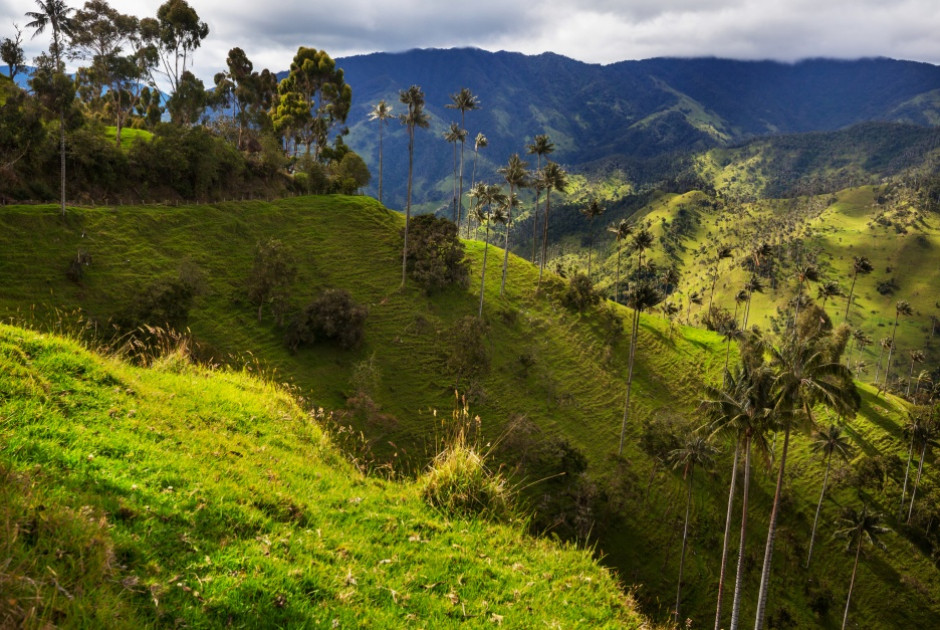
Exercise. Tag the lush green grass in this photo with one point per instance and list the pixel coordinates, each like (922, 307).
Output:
(562, 370)
(178, 495)
(129, 135)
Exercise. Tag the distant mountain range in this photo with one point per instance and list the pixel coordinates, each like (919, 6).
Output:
(627, 111)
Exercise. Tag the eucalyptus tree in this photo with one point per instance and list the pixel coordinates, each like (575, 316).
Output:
(859, 526)
(516, 175)
(413, 99)
(464, 101)
(697, 450)
(381, 112)
(540, 146)
(742, 410)
(180, 33)
(454, 134)
(593, 210)
(860, 265)
(56, 16)
(926, 432)
(11, 52)
(804, 376)
(902, 307)
(829, 442)
(917, 356)
(722, 252)
(553, 177)
(490, 201)
(621, 231)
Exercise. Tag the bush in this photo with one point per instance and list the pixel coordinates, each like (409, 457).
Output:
(468, 356)
(435, 254)
(164, 303)
(580, 293)
(333, 316)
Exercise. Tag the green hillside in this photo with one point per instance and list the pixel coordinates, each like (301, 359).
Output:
(182, 496)
(551, 399)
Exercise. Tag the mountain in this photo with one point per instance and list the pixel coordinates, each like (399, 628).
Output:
(633, 110)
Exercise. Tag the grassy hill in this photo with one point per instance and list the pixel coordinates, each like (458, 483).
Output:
(183, 496)
(551, 399)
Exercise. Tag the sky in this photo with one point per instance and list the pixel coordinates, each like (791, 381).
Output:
(594, 31)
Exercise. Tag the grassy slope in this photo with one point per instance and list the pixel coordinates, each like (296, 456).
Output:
(139, 498)
(574, 387)
(129, 135)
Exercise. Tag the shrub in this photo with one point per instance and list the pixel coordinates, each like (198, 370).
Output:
(164, 303)
(333, 316)
(435, 254)
(76, 270)
(468, 356)
(273, 271)
(580, 293)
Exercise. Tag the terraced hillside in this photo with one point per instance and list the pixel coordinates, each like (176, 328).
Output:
(551, 399)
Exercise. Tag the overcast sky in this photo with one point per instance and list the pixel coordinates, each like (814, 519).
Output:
(598, 31)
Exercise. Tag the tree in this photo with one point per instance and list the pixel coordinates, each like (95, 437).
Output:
(640, 296)
(241, 88)
(859, 526)
(804, 376)
(272, 273)
(479, 143)
(828, 442)
(486, 197)
(540, 146)
(916, 417)
(413, 99)
(884, 343)
(179, 33)
(382, 112)
(592, 211)
(516, 175)
(859, 340)
(804, 274)
(917, 356)
(553, 177)
(722, 252)
(860, 265)
(55, 15)
(622, 231)
(828, 290)
(694, 298)
(696, 451)
(465, 101)
(11, 52)
(455, 134)
(435, 254)
(902, 307)
(926, 432)
(189, 101)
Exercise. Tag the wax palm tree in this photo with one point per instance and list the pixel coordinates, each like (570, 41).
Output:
(480, 143)
(902, 307)
(539, 147)
(640, 296)
(916, 417)
(859, 340)
(742, 410)
(828, 290)
(55, 15)
(464, 101)
(804, 274)
(455, 134)
(553, 177)
(926, 433)
(516, 175)
(592, 211)
(859, 526)
(488, 209)
(622, 231)
(884, 343)
(721, 253)
(829, 442)
(696, 451)
(382, 112)
(694, 298)
(860, 265)
(917, 356)
(413, 98)
(804, 376)
(752, 286)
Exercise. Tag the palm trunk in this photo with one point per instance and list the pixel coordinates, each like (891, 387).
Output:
(907, 470)
(404, 253)
(626, 406)
(711, 294)
(727, 538)
(454, 198)
(910, 377)
(548, 206)
(920, 469)
(502, 284)
(486, 247)
(848, 303)
(812, 537)
(617, 288)
(771, 536)
(739, 575)
(535, 211)
(463, 144)
(591, 248)
(473, 181)
(878, 367)
(62, 158)
(848, 599)
(894, 332)
(728, 341)
(685, 537)
(381, 123)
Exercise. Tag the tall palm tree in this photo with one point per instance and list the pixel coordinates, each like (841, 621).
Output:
(487, 196)
(926, 433)
(382, 112)
(455, 134)
(828, 290)
(859, 526)
(742, 410)
(752, 286)
(592, 211)
(413, 98)
(721, 253)
(917, 356)
(622, 231)
(860, 265)
(804, 376)
(804, 274)
(915, 418)
(465, 101)
(859, 340)
(694, 298)
(828, 442)
(516, 175)
(55, 15)
(553, 177)
(540, 146)
(884, 343)
(902, 307)
(696, 451)
(640, 296)
(479, 143)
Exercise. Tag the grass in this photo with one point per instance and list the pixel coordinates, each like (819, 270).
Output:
(183, 496)
(129, 136)
(561, 371)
